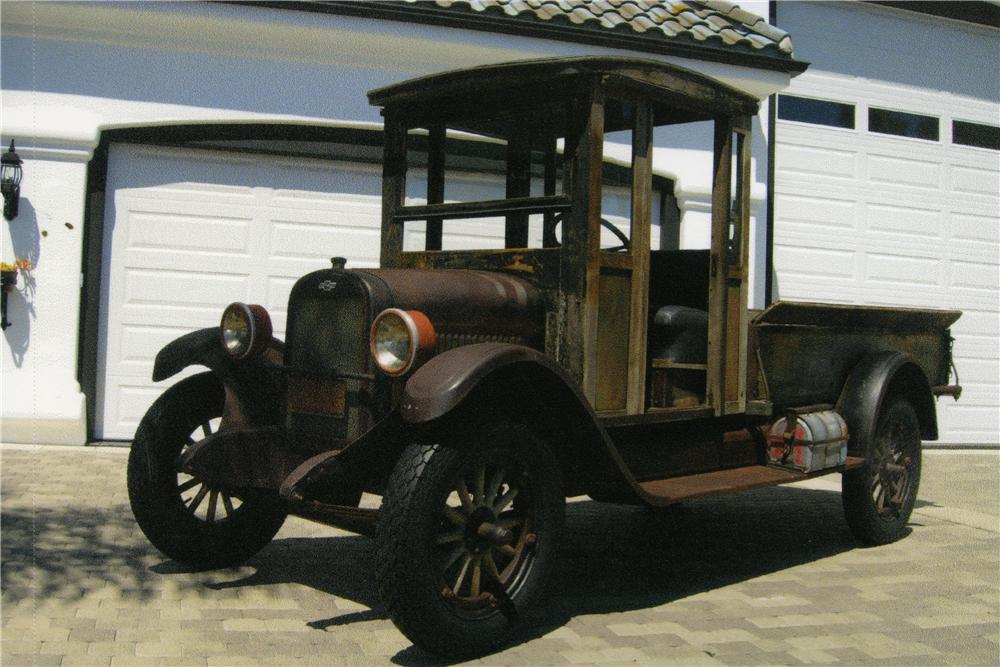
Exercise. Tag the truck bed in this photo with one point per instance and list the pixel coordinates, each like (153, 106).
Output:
(806, 350)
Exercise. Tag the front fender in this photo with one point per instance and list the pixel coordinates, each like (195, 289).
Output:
(514, 382)
(201, 347)
(441, 384)
(874, 379)
(254, 388)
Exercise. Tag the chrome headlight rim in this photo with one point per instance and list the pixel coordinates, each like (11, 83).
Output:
(420, 337)
(244, 330)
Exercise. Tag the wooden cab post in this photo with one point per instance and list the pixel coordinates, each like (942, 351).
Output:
(728, 288)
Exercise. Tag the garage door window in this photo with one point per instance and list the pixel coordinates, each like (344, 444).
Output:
(975, 134)
(915, 126)
(816, 112)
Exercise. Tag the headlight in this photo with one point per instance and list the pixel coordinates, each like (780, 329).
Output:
(399, 338)
(245, 330)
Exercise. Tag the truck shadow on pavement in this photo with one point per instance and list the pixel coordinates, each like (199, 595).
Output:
(612, 559)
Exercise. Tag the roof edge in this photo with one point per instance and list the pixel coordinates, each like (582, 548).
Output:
(513, 26)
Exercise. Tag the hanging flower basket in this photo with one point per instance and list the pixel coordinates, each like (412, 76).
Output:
(8, 279)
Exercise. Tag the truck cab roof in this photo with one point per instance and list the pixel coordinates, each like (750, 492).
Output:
(678, 94)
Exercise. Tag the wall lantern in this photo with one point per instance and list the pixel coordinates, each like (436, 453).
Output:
(10, 181)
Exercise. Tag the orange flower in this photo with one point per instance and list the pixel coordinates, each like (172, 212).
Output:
(18, 265)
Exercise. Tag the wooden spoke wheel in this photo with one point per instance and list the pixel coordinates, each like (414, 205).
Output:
(185, 518)
(485, 536)
(202, 501)
(467, 537)
(879, 496)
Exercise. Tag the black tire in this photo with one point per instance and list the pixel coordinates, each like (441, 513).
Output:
(879, 496)
(451, 590)
(184, 518)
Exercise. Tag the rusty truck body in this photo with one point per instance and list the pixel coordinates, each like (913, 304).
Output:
(475, 384)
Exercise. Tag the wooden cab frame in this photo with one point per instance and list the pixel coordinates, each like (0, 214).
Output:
(546, 122)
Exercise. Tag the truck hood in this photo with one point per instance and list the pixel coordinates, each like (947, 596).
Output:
(468, 303)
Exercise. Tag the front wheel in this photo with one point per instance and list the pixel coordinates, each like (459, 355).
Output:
(467, 538)
(185, 518)
(879, 496)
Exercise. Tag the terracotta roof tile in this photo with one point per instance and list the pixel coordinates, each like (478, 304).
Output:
(725, 23)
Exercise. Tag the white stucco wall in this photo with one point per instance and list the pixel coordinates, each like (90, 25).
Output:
(71, 71)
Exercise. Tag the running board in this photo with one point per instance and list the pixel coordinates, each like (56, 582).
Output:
(676, 489)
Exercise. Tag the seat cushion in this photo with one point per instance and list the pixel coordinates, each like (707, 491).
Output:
(680, 334)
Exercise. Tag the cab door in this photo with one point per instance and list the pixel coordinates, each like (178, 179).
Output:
(623, 237)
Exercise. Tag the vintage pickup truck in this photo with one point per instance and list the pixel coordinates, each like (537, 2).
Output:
(479, 378)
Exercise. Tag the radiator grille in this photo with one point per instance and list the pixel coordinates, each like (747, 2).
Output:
(328, 336)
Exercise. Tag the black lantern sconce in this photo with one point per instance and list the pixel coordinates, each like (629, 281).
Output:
(10, 181)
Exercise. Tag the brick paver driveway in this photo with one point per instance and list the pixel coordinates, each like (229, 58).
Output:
(767, 577)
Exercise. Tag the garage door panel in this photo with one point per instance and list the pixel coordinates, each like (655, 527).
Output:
(906, 221)
(153, 187)
(977, 372)
(278, 289)
(802, 236)
(828, 162)
(174, 289)
(975, 275)
(970, 423)
(865, 193)
(975, 346)
(291, 240)
(983, 322)
(896, 171)
(189, 231)
(975, 181)
(309, 203)
(976, 253)
(978, 398)
(805, 261)
(129, 403)
(819, 212)
(140, 342)
(980, 229)
(902, 270)
(350, 211)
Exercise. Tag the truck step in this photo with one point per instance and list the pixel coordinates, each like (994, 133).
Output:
(676, 489)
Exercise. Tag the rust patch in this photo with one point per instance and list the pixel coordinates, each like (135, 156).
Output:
(317, 396)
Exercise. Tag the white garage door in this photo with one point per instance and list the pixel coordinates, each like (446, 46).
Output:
(864, 214)
(188, 232)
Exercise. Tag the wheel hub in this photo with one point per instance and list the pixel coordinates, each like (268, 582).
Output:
(483, 539)
(480, 522)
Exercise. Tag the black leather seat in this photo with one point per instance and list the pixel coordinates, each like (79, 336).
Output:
(680, 334)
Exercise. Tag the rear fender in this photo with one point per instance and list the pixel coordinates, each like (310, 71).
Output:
(254, 387)
(872, 381)
(513, 382)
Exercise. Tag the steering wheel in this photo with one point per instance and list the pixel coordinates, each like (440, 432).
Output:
(619, 234)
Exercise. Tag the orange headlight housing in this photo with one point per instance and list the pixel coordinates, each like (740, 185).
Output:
(399, 338)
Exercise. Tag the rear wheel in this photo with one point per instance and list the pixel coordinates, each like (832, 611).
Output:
(185, 518)
(467, 538)
(879, 496)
